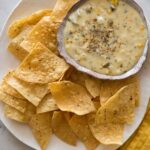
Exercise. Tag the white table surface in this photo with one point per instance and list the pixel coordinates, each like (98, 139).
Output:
(7, 140)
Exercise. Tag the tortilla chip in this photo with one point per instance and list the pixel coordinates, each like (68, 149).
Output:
(30, 111)
(109, 88)
(10, 90)
(97, 104)
(93, 86)
(71, 97)
(14, 46)
(34, 93)
(41, 128)
(68, 115)
(108, 133)
(61, 8)
(17, 26)
(119, 108)
(79, 125)
(19, 104)
(62, 129)
(90, 83)
(47, 104)
(78, 77)
(14, 114)
(45, 31)
(41, 66)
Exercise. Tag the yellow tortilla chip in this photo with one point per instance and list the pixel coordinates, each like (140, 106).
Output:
(30, 111)
(17, 26)
(90, 83)
(78, 77)
(108, 133)
(93, 86)
(61, 8)
(45, 31)
(119, 108)
(71, 97)
(62, 129)
(19, 104)
(97, 104)
(41, 128)
(10, 90)
(14, 114)
(41, 66)
(34, 93)
(14, 46)
(109, 88)
(79, 125)
(47, 104)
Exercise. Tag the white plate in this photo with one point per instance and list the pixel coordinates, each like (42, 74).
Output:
(7, 61)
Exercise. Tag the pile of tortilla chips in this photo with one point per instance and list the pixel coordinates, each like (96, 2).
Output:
(51, 97)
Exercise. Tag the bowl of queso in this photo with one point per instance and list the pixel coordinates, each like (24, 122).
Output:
(104, 40)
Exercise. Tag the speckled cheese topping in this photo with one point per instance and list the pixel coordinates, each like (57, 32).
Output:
(104, 38)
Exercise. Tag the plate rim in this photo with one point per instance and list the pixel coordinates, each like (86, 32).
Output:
(1, 35)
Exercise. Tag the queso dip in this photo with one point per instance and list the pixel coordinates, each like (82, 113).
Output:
(104, 38)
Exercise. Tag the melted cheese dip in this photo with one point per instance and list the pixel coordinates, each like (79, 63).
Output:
(105, 39)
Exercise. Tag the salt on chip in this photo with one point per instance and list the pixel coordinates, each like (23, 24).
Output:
(14, 114)
(71, 97)
(19, 104)
(17, 26)
(41, 66)
(10, 90)
(41, 128)
(93, 86)
(119, 108)
(45, 31)
(47, 104)
(109, 88)
(62, 129)
(14, 45)
(79, 125)
(34, 93)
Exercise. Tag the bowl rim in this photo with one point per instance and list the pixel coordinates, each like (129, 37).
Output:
(137, 67)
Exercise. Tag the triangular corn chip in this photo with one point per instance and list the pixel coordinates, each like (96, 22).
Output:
(41, 128)
(119, 108)
(17, 26)
(19, 104)
(79, 125)
(109, 88)
(93, 86)
(41, 66)
(47, 104)
(109, 133)
(10, 90)
(14, 114)
(34, 93)
(45, 31)
(14, 46)
(71, 97)
(62, 129)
